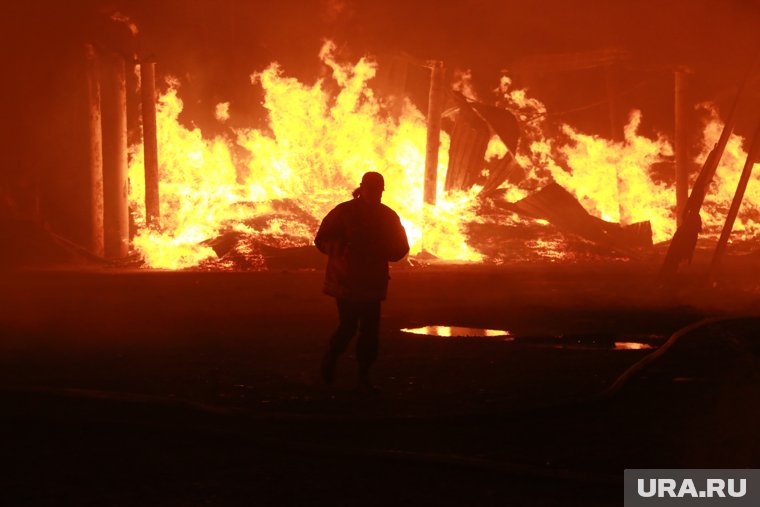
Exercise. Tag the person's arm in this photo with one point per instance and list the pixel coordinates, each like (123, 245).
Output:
(398, 244)
(330, 237)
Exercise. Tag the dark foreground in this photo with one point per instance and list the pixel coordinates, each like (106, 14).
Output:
(148, 388)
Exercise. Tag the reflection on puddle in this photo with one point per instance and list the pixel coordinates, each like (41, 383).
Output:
(632, 346)
(552, 342)
(458, 331)
(593, 345)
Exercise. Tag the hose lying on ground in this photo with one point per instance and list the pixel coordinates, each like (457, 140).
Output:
(647, 360)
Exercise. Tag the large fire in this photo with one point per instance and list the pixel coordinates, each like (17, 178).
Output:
(316, 149)
(319, 143)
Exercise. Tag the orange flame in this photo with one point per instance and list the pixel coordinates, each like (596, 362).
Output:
(606, 176)
(314, 153)
(599, 164)
(318, 144)
(722, 190)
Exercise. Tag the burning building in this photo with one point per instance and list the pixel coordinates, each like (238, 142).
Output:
(167, 164)
(460, 160)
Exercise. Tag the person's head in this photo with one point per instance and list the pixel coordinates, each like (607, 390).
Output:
(371, 188)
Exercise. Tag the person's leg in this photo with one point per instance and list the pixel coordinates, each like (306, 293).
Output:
(348, 316)
(368, 341)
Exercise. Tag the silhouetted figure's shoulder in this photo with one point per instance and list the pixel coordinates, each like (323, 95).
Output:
(346, 206)
(358, 206)
(389, 211)
(364, 227)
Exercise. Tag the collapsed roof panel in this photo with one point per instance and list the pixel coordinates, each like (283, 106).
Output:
(559, 207)
(472, 131)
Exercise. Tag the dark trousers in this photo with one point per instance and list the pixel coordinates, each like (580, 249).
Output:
(353, 314)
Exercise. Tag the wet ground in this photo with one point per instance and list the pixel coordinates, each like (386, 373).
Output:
(159, 388)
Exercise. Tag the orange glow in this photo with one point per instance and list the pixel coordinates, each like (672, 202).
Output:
(632, 346)
(318, 143)
(598, 163)
(593, 166)
(607, 176)
(449, 331)
(313, 154)
(126, 21)
(222, 111)
(722, 190)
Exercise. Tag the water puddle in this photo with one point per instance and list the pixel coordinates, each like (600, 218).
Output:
(633, 346)
(594, 345)
(456, 331)
(598, 342)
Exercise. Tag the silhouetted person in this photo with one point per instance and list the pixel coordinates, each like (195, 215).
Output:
(359, 236)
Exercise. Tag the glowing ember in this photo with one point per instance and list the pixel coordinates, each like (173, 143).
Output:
(126, 21)
(222, 111)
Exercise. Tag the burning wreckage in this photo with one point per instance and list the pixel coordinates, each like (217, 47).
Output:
(473, 181)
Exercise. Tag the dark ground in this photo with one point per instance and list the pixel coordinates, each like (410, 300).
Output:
(160, 388)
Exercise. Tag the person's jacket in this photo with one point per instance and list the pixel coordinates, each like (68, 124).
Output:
(360, 238)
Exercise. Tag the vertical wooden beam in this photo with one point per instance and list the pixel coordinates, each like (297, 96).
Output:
(114, 108)
(617, 132)
(685, 238)
(150, 143)
(682, 107)
(733, 211)
(95, 152)
(435, 109)
(436, 101)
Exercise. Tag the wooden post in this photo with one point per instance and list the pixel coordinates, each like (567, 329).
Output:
(685, 238)
(617, 133)
(150, 143)
(95, 153)
(681, 141)
(435, 108)
(733, 211)
(436, 101)
(116, 208)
